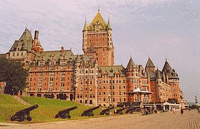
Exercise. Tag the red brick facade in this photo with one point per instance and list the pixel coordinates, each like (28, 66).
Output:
(92, 78)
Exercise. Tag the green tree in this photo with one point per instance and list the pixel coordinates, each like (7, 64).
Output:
(14, 75)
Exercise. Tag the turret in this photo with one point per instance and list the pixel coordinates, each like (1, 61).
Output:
(149, 65)
(108, 25)
(85, 26)
(131, 68)
(158, 77)
(84, 44)
(109, 29)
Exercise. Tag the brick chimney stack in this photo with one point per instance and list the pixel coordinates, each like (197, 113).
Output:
(36, 34)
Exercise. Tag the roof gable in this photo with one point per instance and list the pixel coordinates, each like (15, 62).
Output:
(149, 63)
(97, 19)
(131, 63)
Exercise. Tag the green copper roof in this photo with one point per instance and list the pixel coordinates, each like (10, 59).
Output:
(79, 58)
(97, 19)
(131, 63)
(158, 74)
(25, 41)
(166, 67)
(112, 70)
(57, 54)
(149, 63)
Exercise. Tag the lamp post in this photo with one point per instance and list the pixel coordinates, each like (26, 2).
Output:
(12, 91)
(109, 102)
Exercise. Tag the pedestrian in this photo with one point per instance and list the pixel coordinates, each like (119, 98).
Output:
(173, 110)
(181, 111)
(115, 111)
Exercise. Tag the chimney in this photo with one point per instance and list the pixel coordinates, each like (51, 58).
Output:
(36, 34)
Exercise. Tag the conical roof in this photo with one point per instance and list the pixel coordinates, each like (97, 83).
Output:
(158, 74)
(98, 18)
(85, 26)
(26, 35)
(166, 67)
(109, 26)
(131, 63)
(25, 41)
(149, 63)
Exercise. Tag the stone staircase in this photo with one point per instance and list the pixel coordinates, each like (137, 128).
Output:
(21, 100)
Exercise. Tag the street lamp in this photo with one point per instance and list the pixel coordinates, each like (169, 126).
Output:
(12, 91)
(109, 102)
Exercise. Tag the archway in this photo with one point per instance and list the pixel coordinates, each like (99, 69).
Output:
(71, 97)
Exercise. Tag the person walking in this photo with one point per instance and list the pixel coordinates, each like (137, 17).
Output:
(173, 110)
(181, 111)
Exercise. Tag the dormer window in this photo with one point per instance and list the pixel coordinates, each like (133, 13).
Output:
(97, 28)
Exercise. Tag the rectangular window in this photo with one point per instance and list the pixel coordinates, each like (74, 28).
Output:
(124, 81)
(62, 73)
(51, 79)
(62, 78)
(62, 84)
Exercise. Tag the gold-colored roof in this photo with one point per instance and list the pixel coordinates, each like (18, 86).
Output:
(97, 19)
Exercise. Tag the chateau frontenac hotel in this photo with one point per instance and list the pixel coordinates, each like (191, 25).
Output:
(92, 78)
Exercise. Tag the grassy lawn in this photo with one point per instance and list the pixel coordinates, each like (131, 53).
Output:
(8, 107)
(46, 111)
(48, 108)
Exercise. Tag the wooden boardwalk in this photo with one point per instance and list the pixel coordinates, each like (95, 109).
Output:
(167, 120)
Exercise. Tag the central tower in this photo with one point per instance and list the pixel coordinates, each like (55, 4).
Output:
(97, 41)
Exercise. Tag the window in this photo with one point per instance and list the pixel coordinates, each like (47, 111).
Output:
(51, 79)
(62, 84)
(51, 73)
(62, 78)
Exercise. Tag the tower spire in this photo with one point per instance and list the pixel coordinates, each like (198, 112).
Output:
(98, 8)
(85, 26)
(109, 26)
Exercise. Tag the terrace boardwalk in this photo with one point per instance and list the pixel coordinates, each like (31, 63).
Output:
(167, 120)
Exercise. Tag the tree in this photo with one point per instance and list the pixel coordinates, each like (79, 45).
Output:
(14, 75)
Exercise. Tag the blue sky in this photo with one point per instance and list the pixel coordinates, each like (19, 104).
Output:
(159, 29)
